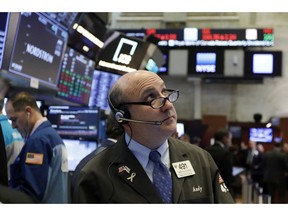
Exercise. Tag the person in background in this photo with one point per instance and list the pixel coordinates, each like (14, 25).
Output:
(254, 162)
(124, 173)
(275, 167)
(12, 139)
(223, 157)
(41, 168)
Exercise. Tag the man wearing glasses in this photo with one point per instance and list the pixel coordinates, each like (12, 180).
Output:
(147, 165)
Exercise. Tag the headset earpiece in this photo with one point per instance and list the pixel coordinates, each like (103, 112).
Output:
(119, 113)
(28, 114)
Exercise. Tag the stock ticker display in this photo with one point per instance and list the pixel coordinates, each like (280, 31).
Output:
(76, 77)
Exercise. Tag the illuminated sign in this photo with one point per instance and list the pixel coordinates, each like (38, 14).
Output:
(246, 37)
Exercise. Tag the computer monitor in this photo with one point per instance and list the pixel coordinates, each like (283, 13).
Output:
(262, 135)
(77, 150)
(76, 77)
(75, 122)
(38, 50)
(263, 64)
(102, 82)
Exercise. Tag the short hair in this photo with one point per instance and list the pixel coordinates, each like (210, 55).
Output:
(21, 100)
(220, 134)
(115, 97)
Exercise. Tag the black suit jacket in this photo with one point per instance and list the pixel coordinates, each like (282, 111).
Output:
(12, 196)
(224, 160)
(103, 179)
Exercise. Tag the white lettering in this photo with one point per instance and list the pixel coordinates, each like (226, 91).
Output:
(39, 53)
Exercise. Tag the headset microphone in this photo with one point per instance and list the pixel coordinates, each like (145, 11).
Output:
(119, 118)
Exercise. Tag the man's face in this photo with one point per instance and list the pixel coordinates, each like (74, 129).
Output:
(18, 120)
(149, 88)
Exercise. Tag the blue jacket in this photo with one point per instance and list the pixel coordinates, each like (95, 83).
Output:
(12, 139)
(41, 169)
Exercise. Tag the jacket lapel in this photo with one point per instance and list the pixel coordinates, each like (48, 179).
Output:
(130, 170)
(176, 155)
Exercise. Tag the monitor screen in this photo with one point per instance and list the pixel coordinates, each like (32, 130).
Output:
(38, 49)
(263, 63)
(123, 54)
(63, 19)
(102, 82)
(73, 122)
(262, 135)
(77, 150)
(87, 34)
(206, 62)
(3, 32)
(75, 78)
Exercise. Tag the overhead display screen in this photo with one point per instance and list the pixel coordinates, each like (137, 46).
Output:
(76, 77)
(3, 31)
(38, 49)
(245, 37)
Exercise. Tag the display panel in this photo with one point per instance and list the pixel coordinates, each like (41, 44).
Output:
(38, 49)
(63, 19)
(76, 77)
(77, 150)
(122, 54)
(225, 37)
(263, 63)
(3, 33)
(263, 135)
(102, 82)
(87, 34)
(206, 62)
(73, 122)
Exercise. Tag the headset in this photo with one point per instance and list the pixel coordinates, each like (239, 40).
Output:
(123, 115)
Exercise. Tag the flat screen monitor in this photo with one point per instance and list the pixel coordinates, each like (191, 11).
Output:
(76, 77)
(87, 34)
(63, 19)
(77, 150)
(206, 62)
(73, 122)
(262, 135)
(263, 64)
(38, 49)
(4, 17)
(102, 82)
(122, 54)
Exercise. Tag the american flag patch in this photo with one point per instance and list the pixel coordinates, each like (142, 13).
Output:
(34, 158)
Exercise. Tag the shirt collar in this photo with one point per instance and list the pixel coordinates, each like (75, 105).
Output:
(141, 152)
(39, 122)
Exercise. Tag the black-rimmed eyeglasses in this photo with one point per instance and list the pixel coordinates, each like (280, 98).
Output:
(159, 102)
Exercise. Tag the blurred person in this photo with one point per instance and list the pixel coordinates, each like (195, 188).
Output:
(41, 168)
(275, 167)
(254, 162)
(12, 139)
(123, 173)
(223, 157)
